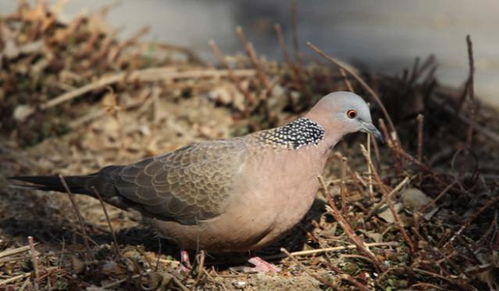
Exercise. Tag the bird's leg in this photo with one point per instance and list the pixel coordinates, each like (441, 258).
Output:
(262, 266)
(185, 263)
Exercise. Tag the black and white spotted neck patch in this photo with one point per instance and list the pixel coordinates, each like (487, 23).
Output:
(294, 135)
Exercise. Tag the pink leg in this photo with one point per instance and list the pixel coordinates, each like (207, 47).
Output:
(262, 266)
(185, 263)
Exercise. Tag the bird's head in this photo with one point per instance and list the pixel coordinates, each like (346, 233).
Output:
(343, 112)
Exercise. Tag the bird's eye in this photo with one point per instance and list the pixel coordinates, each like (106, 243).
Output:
(351, 114)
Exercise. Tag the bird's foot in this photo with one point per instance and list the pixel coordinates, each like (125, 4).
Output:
(185, 263)
(262, 266)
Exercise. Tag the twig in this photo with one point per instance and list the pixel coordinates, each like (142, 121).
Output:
(345, 79)
(440, 195)
(360, 80)
(235, 79)
(435, 275)
(369, 170)
(34, 259)
(315, 276)
(156, 268)
(11, 252)
(376, 148)
(421, 165)
(15, 278)
(354, 256)
(343, 190)
(468, 222)
(420, 120)
(386, 135)
(200, 257)
(426, 286)
(22, 276)
(397, 188)
(78, 214)
(414, 72)
(250, 51)
(213, 280)
(391, 145)
(388, 201)
(294, 25)
(180, 284)
(471, 91)
(359, 243)
(146, 75)
(347, 277)
(282, 44)
(335, 249)
(492, 228)
(116, 247)
(118, 282)
(295, 73)
(99, 113)
(386, 272)
(479, 128)
(132, 40)
(25, 285)
(192, 56)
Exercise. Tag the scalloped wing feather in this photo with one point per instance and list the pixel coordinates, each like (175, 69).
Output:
(189, 185)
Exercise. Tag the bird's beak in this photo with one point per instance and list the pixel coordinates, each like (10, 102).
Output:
(370, 128)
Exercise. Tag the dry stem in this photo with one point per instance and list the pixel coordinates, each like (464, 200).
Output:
(347, 277)
(18, 250)
(397, 188)
(294, 26)
(388, 201)
(361, 246)
(420, 120)
(235, 79)
(315, 276)
(34, 259)
(250, 51)
(103, 205)
(145, 75)
(78, 214)
(295, 72)
(471, 91)
(468, 221)
(345, 79)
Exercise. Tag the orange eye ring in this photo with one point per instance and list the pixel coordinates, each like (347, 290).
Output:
(351, 114)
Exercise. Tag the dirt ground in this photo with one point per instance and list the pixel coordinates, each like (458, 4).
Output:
(420, 212)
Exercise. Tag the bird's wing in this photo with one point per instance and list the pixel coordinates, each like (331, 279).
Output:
(187, 185)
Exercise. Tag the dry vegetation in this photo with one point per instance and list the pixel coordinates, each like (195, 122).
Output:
(419, 212)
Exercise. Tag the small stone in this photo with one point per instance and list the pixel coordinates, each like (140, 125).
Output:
(239, 284)
(21, 112)
(77, 265)
(414, 199)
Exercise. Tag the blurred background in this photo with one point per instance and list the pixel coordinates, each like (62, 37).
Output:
(381, 36)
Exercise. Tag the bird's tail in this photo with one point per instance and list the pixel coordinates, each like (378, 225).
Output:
(76, 184)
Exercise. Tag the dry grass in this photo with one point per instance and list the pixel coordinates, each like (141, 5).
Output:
(419, 212)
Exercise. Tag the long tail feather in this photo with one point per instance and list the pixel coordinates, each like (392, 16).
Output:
(76, 184)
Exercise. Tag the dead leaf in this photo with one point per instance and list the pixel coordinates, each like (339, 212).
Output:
(387, 214)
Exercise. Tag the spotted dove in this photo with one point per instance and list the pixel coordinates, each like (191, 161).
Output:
(236, 194)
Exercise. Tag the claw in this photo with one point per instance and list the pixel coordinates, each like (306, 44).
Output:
(262, 266)
(185, 263)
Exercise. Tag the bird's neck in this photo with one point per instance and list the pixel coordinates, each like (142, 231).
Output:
(333, 132)
(302, 132)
